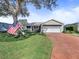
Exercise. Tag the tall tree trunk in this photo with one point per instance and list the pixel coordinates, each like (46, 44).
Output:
(16, 11)
(15, 20)
(17, 6)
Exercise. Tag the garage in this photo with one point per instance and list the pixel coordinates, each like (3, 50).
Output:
(52, 26)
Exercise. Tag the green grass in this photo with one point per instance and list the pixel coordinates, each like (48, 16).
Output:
(34, 47)
(75, 34)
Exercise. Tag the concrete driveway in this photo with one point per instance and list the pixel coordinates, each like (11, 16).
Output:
(65, 46)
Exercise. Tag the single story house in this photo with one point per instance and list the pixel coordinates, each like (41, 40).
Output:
(72, 27)
(48, 26)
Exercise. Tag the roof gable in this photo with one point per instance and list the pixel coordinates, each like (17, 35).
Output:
(52, 22)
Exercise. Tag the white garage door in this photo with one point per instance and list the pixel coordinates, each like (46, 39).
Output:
(51, 29)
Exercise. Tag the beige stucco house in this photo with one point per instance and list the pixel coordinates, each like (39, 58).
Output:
(48, 26)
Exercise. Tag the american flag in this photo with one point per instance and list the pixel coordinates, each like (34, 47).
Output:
(13, 30)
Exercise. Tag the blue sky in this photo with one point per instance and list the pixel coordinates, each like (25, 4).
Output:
(66, 12)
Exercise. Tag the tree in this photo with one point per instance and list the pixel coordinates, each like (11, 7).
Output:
(19, 7)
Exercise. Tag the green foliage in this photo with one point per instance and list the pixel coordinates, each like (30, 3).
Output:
(23, 21)
(70, 28)
(35, 47)
(5, 37)
(19, 7)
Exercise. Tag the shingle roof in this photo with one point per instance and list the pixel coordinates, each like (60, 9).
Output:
(34, 23)
(52, 22)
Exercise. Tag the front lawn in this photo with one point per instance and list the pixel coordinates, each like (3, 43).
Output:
(75, 34)
(34, 47)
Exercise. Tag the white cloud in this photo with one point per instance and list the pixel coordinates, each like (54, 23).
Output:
(65, 16)
(34, 17)
(62, 15)
(7, 19)
(76, 10)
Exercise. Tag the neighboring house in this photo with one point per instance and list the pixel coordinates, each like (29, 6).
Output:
(4, 26)
(72, 27)
(48, 26)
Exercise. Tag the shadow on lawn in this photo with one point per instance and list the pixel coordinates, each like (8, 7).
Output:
(5, 37)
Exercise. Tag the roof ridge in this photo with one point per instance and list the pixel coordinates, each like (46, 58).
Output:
(57, 21)
(53, 20)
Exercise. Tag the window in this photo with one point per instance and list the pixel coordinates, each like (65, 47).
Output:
(28, 26)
